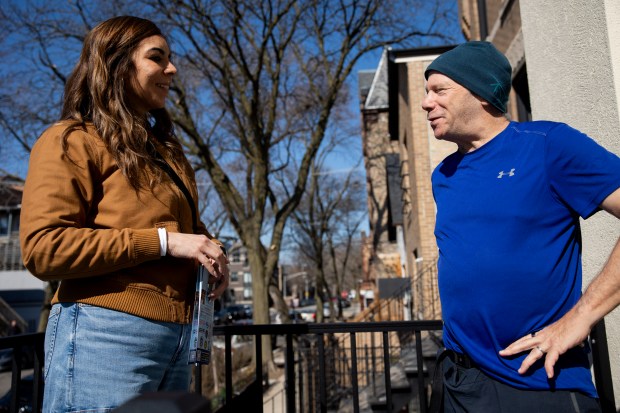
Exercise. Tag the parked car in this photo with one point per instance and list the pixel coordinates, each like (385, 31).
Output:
(222, 317)
(296, 317)
(234, 313)
(6, 358)
(305, 302)
(345, 303)
(326, 310)
(308, 315)
(239, 311)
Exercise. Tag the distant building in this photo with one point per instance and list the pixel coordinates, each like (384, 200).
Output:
(380, 247)
(21, 294)
(11, 189)
(240, 286)
(400, 154)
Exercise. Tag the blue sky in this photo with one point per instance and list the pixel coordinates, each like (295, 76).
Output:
(15, 160)
(345, 158)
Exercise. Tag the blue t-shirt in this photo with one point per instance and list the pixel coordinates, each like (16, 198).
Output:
(510, 245)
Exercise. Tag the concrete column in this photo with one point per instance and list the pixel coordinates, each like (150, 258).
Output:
(572, 49)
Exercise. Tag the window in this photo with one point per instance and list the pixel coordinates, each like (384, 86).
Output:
(521, 88)
(15, 220)
(247, 285)
(247, 293)
(4, 223)
(236, 256)
(247, 278)
(9, 219)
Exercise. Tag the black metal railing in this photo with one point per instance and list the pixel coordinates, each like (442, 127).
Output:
(427, 304)
(420, 299)
(369, 350)
(27, 353)
(320, 366)
(323, 372)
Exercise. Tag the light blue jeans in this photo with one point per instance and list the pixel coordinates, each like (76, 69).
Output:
(96, 359)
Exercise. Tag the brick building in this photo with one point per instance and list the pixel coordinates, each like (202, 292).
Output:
(400, 153)
(21, 294)
(381, 258)
(240, 286)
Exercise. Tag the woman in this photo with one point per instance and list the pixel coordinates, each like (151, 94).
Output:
(101, 213)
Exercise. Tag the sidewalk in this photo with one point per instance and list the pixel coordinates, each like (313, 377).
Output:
(274, 399)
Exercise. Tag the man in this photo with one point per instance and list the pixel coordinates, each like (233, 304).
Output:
(508, 208)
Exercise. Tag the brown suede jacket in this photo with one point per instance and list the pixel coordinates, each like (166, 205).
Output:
(82, 223)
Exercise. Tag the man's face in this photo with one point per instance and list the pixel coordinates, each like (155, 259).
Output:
(451, 109)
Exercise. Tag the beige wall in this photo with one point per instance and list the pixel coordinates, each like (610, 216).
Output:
(612, 14)
(573, 62)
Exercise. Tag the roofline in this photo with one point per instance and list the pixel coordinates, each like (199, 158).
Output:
(375, 79)
(403, 55)
(396, 57)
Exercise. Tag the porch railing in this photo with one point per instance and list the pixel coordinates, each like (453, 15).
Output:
(20, 344)
(320, 370)
(10, 253)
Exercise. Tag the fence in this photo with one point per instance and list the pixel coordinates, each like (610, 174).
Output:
(327, 366)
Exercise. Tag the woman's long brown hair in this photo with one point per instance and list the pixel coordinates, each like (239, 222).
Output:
(96, 92)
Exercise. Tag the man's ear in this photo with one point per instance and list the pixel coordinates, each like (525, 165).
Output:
(488, 107)
(483, 102)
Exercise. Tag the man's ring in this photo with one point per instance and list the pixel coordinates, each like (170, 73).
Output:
(541, 350)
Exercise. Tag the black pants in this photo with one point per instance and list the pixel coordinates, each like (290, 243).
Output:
(468, 390)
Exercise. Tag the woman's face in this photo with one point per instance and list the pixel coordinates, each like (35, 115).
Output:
(149, 84)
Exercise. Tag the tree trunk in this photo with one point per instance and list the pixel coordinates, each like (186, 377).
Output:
(338, 298)
(260, 300)
(278, 302)
(319, 309)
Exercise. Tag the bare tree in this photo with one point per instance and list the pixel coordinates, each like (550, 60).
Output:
(39, 43)
(259, 84)
(326, 226)
(345, 248)
(277, 72)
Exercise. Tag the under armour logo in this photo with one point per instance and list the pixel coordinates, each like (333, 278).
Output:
(509, 173)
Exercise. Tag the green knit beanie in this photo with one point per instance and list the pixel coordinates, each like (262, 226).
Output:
(479, 67)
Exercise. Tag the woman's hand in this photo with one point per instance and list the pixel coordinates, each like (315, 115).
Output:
(206, 252)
